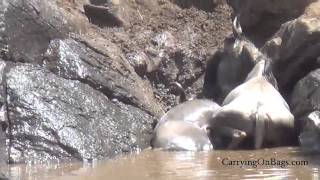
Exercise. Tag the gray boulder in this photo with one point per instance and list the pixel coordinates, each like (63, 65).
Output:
(80, 61)
(33, 23)
(56, 119)
(310, 135)
(295, 48)
(306, 95)
(3, 116)
(261, 19)
(305, 105)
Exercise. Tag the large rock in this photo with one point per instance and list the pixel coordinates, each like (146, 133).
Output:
(3, 116)
(295, 48)
(53, 118)
(305, 105)
(260, 19)
(3, 44)
(306, 95)
(33, 23)
(75, 60)
(310, 133)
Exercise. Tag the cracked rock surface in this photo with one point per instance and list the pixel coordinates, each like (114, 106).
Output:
(75, 86)
(56, 119)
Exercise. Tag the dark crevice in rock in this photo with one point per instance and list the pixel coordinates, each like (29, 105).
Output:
(101, 16)
(70, 150)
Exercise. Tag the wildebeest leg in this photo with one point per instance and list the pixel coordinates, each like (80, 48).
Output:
(236, 136)
(260, 127)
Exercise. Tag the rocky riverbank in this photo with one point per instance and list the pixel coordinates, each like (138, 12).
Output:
(88, 79)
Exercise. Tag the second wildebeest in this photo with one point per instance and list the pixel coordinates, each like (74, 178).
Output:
(184, 127)
(255, 110)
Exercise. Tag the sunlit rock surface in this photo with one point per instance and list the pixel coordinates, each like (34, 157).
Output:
(33, 23)
(310, 133)
(53, 118)
(4, 124)
(74, 60)
(305, 103)
(261, 19)
(93, 91)
(295, 48)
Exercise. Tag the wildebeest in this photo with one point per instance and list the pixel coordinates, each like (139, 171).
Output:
(255, 110)
(184, 127)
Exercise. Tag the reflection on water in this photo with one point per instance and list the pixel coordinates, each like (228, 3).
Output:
(266, 164)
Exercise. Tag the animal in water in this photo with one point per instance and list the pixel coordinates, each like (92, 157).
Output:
(255, 110)
(184, 127)
(229, 67)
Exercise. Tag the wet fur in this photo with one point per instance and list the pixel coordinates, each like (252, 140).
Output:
(187, 121)
(258, 109)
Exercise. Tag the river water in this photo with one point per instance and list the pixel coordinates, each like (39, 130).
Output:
(278, 163)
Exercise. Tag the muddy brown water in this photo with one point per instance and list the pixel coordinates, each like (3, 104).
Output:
(279, 163)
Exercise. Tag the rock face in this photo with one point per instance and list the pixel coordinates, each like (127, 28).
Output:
(260, 19)
(310, 134)
(306, 95)
(73, 60)
(74, 90)
(305, 103)
(295, 48)
(53, 118)
(4, 124)
(33, 24)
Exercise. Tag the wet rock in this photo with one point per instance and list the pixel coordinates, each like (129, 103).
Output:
(3, 116)
(229, 67)
(164, 40)
(177, 62)
(310, 133)
(140, 62)
(57, 119)
(295, 48)
(306, 95)
(305, 105)
(33, 23)
(78, 60)
(3, 45)
(261, 19)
